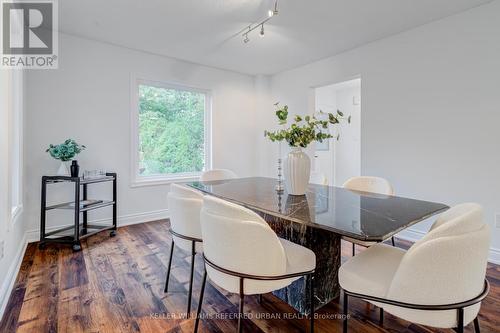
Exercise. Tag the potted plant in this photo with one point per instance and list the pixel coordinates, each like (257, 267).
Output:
(300, 134)
(65, 152)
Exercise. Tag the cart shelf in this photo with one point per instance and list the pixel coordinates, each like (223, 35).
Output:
(78, 230)
(71, 205)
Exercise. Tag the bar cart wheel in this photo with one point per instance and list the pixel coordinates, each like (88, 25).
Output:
(41, 246)
(76, 247)
(112, 233)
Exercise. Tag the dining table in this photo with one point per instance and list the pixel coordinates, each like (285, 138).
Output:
(319, 220)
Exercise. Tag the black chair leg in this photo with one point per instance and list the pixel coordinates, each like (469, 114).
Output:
(193, 254)
(202, 292)
(260, 298)
(353, 249)
(460, 321)
(393, 241)
(477, 328)
(381, 318)
(311, 302)
(344, 320)
(169, 265)
(242, 301)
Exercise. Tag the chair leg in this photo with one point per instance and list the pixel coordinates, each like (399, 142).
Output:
(202, 292)
(477, 329)
(460, 321)
(242, 301)
(344, 321)
(260, 298)
(311, 302)
(193, 254)
(353, 249)
(381, 318)
(393, 241)
(169, 265)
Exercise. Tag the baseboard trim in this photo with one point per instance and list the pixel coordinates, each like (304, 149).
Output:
(10, 278)
(494, 256)
(413, 235)
(124, 220)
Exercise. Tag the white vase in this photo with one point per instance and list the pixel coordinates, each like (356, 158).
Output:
(297, 171)
(63, 169)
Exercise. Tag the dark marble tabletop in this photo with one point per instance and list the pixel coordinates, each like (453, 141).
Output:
(359, 215)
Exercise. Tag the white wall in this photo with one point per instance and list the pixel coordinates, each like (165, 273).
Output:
(88, 99)
(430, 109)
(12, 229)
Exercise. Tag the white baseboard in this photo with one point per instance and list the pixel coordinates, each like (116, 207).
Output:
(10, 278)
(124, 220)
(494, 257)
(413, 235)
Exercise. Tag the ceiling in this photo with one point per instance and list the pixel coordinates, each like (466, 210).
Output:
(204, 31)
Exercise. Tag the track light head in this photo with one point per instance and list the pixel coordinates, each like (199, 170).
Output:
(248, 29)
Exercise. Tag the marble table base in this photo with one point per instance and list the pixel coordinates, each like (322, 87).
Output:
(326, 246)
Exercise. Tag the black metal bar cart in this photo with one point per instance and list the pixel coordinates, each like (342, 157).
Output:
(80, 205)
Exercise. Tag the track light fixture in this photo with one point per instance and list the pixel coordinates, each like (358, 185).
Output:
(271, 13)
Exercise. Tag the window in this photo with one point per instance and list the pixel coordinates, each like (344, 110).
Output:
(171, 139)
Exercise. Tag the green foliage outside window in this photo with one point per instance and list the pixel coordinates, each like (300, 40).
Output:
(171, 131)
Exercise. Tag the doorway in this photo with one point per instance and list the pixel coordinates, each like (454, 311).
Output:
(340, 160)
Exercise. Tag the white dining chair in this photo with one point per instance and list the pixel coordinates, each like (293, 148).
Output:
(244, 255)
(439, 282)
(217, 174)
(184, 205)
(372, 185)
(318, 178)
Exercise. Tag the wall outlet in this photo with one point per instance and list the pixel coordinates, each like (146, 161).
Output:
(497, 220)
(1, 249)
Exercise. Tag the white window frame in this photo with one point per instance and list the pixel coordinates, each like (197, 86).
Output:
(136, 178)
(15, 148)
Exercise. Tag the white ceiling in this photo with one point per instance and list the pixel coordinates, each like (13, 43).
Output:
(203, 31)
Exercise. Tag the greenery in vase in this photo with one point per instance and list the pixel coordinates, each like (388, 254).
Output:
(306, 129)
(65, 151)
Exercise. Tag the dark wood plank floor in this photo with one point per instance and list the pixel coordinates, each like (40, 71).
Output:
(116, 285)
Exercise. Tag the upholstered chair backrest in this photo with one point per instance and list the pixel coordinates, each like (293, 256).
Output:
(239, 240)
(318, 178)
(217, 174)
(369, 184)
(446, 266)
(184, 205)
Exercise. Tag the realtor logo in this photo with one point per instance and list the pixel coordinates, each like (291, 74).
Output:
(29, 34)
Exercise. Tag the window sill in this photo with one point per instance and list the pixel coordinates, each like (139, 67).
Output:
(142, 182)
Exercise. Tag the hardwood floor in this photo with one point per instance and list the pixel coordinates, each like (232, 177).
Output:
(116, 285)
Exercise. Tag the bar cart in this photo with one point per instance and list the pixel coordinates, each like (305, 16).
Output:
(80, 205)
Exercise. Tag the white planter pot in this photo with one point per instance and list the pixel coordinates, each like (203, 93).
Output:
(63, 169)
(297, 172)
